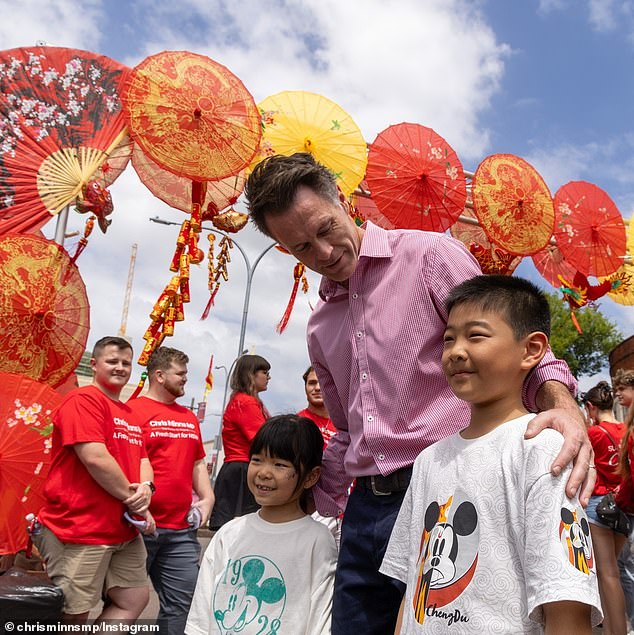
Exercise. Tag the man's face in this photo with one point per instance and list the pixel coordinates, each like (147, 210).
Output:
(112, 368)
(173, 379)
(313, 392)
(319, 233)
(624, 395)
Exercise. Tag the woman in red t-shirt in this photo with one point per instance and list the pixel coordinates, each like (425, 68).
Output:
(243, 417)
(605, 434)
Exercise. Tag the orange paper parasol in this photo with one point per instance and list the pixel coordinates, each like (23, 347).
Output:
(44, 312)
(177, 191)
(60, 122)
(513, 204)
(415, 178)
(550, 262)
(25, 443)
(492, 259)
(589, 229)
(192, 116)
(299, 121)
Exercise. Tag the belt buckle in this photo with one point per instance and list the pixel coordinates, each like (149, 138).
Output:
(375, 491)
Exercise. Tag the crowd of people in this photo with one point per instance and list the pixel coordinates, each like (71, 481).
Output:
(435, 482)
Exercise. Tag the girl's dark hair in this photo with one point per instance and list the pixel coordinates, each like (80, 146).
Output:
(291, 438)
(243, 375)
(600, 396)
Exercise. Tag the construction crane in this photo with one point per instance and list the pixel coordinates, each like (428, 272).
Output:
(128, 292)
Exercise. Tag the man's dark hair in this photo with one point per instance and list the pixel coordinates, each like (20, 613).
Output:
(162, 358)
(273, 184)
(309, 370)
(519, 302)
(110, 340)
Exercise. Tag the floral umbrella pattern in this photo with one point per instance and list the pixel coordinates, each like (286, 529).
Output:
(60, 120)
(25, 453)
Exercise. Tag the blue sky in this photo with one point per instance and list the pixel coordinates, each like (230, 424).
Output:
(549, 81)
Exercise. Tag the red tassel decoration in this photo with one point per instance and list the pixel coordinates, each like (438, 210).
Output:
(139, 387)
(298, 272)
(210, 303)
(83, 241)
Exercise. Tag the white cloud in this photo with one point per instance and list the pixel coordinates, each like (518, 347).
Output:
(55, 22)
(602, 14)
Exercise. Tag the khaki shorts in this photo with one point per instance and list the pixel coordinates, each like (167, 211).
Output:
(84, 572)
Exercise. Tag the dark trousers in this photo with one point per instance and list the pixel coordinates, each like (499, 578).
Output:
(365, 601)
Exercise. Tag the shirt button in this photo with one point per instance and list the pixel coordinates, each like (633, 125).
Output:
(364, 375)
(359, 334)
(370, 418)
(355, 296)
(381, 457)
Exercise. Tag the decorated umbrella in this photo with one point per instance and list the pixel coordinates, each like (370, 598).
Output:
(364, 208)
(513, 204)
(25, 444)
(415, 178)
(195, 119)
(624, 294)
(177, 191)
(299, 121)
(492, 259)
(44, 311)
(192, 116)
(60, 122)
(550, 262)
(589, 229)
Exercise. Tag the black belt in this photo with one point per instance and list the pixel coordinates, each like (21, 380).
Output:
(381, 485)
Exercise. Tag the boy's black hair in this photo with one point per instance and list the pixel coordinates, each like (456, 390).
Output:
(291, 438)
(110, 340)
(520, 303)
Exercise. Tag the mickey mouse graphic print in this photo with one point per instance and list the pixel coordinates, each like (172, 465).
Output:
(486, 536)
(261, 578)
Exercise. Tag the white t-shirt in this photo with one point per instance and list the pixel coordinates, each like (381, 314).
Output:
(266, 578)
(486, 536)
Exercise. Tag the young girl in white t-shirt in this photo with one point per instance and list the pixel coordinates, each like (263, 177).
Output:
(271, 572)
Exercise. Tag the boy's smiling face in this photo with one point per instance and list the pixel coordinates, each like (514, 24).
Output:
(482, 359)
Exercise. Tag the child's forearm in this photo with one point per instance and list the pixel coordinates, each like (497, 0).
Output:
(399, 619)
(567, 618)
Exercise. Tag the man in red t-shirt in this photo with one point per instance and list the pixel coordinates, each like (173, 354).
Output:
(316, 408)
(99, 471)
(175, 449)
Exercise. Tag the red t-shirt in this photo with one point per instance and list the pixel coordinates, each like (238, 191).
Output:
(244, 415)
(606, 455)
(77, 508)
(173, 443)
(325, 424)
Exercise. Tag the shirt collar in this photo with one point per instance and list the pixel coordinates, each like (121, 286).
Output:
(374, 244)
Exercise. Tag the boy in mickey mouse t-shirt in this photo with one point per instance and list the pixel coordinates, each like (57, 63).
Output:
(486, 539)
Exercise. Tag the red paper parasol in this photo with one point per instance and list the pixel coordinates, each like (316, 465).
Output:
(513, 204)
(177, 191)
(415, 178)
(589, 229)
(25, 444)
(44, 312)
(192, 116)
(492, 259)
(60, 120)
(364, 208)
(550, 262)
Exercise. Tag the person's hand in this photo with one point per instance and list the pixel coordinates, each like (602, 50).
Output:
(139, 500)
(150, 528)
(576, 449)
(205, 506)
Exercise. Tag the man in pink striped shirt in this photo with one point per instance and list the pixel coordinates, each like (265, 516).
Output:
(375, 341)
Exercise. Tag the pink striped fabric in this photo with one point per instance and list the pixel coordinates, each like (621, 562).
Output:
(376, 347)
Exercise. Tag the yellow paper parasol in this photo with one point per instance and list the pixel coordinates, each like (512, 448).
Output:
(625, 293)
(299, 121)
